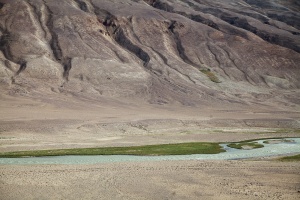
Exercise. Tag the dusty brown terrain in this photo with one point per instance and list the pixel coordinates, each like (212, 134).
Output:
(99, 73)
(154, 180)
(27, 124)
(188, 52)
(90, 73)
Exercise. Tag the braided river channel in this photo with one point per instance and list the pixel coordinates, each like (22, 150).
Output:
(272, 148)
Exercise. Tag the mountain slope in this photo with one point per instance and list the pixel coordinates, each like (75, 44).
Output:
(158, 51)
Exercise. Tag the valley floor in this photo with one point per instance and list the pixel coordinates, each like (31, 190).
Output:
(28, 124)
(154, 180)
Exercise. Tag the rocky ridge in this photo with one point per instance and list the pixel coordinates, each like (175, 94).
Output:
(161, 51)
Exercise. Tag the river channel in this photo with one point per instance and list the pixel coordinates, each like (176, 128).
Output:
(272, 147)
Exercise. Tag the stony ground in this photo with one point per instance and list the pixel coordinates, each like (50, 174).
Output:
(154, 180)
(89, 73)
(28, 124)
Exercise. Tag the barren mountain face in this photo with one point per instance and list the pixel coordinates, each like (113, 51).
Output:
(99, 73)
(159, 51)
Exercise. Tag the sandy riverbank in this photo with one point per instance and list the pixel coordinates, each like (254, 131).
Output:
(154, 180)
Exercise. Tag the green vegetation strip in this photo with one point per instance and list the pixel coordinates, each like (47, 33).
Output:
(210, 75)
(242, 145)
(277, 140)
(291, 158)
(157, 150)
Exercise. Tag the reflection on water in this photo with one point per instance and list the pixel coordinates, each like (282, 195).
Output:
(272, 147)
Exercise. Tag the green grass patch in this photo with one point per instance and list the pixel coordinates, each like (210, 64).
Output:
(267, 131)
(287, 130)
(155, 150)
(278, 141)
(290, 158)
(242, 145)
(210, 75)
(5, 138)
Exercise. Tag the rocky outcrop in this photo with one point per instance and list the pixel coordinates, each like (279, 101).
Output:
(161, 51)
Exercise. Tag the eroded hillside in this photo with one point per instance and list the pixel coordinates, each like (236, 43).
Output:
(161, 51)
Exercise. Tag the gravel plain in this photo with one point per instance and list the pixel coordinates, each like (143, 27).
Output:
(27, 124)
(153, 180)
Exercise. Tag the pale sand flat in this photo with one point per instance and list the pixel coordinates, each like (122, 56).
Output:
(154, 180)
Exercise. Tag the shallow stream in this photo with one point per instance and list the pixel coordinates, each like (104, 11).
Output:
(274, 147)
